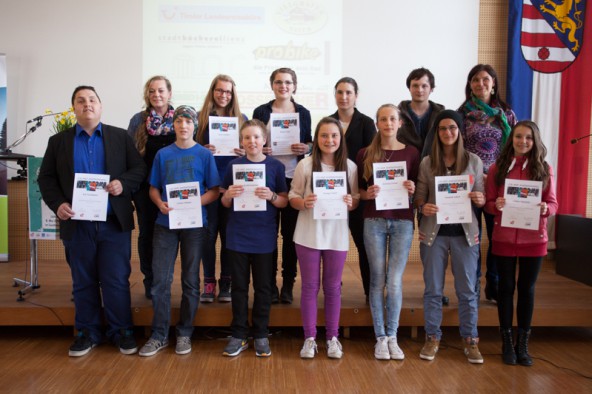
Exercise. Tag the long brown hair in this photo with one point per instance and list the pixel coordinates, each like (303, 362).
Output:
(340, 155)
(538, 168)
(374, 152)
(208, 106)
(141, 133)
(495, 97)
(437, 155)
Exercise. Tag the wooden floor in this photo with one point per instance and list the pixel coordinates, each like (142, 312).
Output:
(559, 301)
(34, 359)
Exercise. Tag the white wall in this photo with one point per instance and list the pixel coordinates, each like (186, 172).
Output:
(53, 46)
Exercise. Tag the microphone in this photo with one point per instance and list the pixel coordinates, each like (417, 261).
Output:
(40, 117)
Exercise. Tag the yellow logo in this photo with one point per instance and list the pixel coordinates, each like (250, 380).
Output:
(564, 22)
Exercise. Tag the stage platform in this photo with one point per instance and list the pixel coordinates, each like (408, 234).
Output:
(559, 301)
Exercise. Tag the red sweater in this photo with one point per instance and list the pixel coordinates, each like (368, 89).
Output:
(509, 241)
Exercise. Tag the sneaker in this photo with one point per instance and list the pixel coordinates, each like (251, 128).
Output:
(82, 345)
(127, 342)
(381, 350)
(262, 348)
(183, 345)
(235, 346)
(394, 350)
(224, 295)
(309, 348)
(334, 349)
(472, 351)
(208, 293)
(153, 346)
(430, 348)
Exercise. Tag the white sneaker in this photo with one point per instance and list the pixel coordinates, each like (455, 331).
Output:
(381, 351)
(334, 349)
(394, 350)
(309, 348)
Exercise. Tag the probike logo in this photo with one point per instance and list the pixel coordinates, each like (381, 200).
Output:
(301, 17)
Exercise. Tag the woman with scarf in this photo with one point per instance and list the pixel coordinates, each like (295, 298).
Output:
(488, 121)
(151, 129)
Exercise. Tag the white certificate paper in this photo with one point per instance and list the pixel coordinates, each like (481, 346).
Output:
(330, 187)
(285, 131)
(390, 178)
(89, 199)
(250, 177)
(452, 199)
(522, 208)
(224, 135)
(185, 200)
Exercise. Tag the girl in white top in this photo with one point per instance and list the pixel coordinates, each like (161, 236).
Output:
(326, 240)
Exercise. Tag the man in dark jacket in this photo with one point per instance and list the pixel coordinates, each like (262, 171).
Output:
(98, 252)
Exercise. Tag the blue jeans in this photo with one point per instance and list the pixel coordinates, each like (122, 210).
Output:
(491, 274)
(464, 268)
(166, 243)
(99, 258)
(382, 236)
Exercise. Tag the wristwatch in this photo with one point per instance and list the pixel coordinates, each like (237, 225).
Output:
(273, 197)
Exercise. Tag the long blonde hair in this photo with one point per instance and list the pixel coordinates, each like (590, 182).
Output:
(209, 104)
(141, 133)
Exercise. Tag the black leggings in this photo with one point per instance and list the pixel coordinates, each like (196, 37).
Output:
(527, 276)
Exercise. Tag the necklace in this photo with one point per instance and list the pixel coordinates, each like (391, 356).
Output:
(389, 156)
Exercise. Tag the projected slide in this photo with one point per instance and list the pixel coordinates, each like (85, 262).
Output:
(192, 42)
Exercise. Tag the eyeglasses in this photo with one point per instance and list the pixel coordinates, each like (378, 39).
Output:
(222, 92)
(451, 128)
(280, 83)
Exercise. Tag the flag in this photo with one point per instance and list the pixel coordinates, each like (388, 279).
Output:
(550, 82)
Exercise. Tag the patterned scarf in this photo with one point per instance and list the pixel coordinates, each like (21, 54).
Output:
(160, 125)
(476, 104)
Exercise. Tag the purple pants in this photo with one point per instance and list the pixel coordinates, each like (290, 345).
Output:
(310, 272)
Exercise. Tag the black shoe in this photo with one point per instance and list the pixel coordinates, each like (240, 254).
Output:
(126, 342)
(522, 356)
(445, 301)
(491, 291)
(508, 352)
(286, 296)
(82, 345)
(275, 295)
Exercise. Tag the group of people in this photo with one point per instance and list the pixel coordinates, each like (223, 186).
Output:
(165, 145)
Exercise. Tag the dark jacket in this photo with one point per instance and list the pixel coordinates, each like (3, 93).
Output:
(122, 162)
(360, 132)
(424, 143)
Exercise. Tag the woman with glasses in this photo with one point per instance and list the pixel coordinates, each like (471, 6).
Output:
(283, 84)
(221, 100)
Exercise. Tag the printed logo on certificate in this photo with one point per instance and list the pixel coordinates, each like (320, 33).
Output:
(250, 177)
(452, 199)
(285, 131)
(224, 135)
(329, 187)
(522, 209)
(390, 177)
(185, 200)
(89, 198)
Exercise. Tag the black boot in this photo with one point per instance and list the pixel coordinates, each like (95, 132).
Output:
(522, 356)
(508, 353)
(286, 293)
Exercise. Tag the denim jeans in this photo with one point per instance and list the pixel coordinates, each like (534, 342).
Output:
(166, 244)
(464, 268)
(382, 237)
(491, 274)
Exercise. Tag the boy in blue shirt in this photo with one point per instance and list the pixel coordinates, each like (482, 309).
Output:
(183, 161)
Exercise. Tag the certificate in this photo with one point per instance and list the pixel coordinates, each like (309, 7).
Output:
(452, 199)
(89, 199)
(522, 208)
(330, 187)
(224, 135)
(285, 131)
(250, 177)
(390, 178)
(185, 201)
